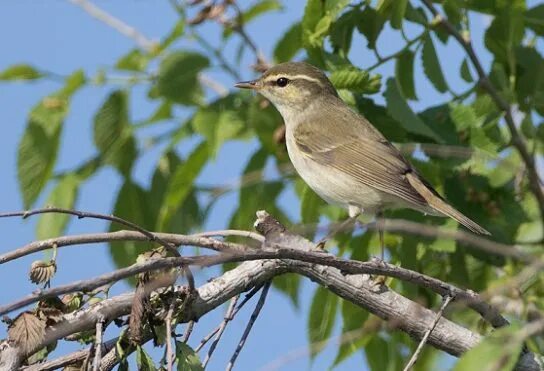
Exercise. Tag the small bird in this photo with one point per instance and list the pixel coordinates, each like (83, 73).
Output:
(340, 154)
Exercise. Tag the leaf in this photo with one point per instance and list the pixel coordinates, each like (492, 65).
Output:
(341, 32)
(39, 146)
(288, 284)
(27, 331)
(289, 44)
(265, 121)
(181, 184)
(431, 65)
(400, 111)
(64, 195)
(370, 24)
(464, 116)
(377, 353)
(465, 72)
(530, 79)
(113, 133)
(134, 60)
(20, 72)
(356, 80)
(144, 360)
(178, 77)
(187, 358)
(310, 203)
(397, 14)
(259, 8)
(353, 337)
(534, 19)
(130, 204)
(404, 72)
(498, 351)
(321, 319)
(42, 272)
(504, 34)
(175, 33)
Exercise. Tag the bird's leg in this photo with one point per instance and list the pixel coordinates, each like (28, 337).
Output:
(346, 224)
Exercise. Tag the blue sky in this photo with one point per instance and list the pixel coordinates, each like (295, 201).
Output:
(57, 36)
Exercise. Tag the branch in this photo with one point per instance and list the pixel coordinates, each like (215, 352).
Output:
(502, 104)
(140, 39)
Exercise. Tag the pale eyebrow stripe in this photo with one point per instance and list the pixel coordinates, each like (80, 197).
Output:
(295, 77)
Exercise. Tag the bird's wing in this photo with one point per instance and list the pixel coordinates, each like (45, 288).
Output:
(364, 154)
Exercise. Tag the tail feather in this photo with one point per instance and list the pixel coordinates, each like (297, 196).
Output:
(436, 202)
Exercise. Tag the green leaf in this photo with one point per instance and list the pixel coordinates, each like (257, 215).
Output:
(175, 33)
(465, 71)
(310, 203)
(187, 358)
(404, 72)
(265, 121)
(504, 35)
(131, 204)
(370, 24)
(397, 14)
(431, 65)
(134, 60)
(113, 133)
(400, 111)
(356, 80)
(144, 360)
(341, 32)
(260, 8)
(178, 77)
(377, 354)
(498, 351)
(20, 72)
(534, 19)
(288, 284)
(289, 44)
(530, 80)
(353, 318)
(39, 146)
(321, 319)
(464, 116)
(63, 195)
(181, 184)
(453, 9)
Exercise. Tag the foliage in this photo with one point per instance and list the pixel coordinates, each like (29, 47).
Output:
(466, 150)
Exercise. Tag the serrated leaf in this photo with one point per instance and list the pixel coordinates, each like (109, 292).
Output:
(27, 331)
(356, 80)
(534, 19)
(181, 184)
(289, 44)
(464, 116)
(370, 24)
(400, 111)
(38, 149)
(431, 65)
(465, 71)
(404, 72)
(397, 13)
(20, 72)
(113, 133)
(144, 360)
(321, 319)
(63, 195)
(313, 12)
(178, 77)
(187, 358)
(498, 351)
(42, 272)
(341, 32)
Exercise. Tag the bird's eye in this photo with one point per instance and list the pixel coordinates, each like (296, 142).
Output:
(282, 81)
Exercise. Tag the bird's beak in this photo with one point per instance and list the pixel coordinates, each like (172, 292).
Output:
(246, 84)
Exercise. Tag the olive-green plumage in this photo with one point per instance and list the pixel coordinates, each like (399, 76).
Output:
(338, 152)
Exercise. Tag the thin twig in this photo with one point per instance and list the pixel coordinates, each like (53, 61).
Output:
(207, 338)
(140, 39)
(229, 315)
(501, 103)
(230, 232)
(252, 320)
(169, 352)
(86, 214)
(419, 348)
(98, 344)
(188, 331)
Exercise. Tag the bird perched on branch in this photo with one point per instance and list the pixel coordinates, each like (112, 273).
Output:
(340, 154)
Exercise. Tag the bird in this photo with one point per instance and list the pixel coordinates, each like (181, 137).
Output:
(340, 154)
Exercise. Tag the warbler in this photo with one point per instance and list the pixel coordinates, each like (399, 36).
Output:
(340, 154)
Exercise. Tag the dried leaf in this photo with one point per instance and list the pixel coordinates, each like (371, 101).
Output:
(27, 331)
(41, 272)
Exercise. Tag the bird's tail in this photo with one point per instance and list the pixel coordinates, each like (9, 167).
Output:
(437, 203)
